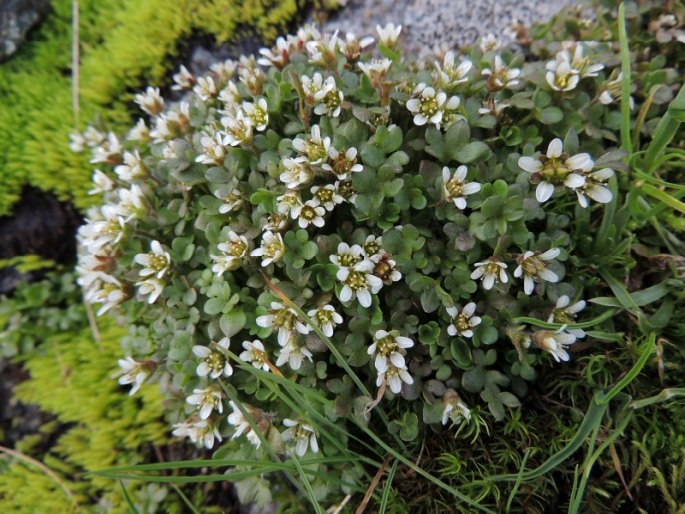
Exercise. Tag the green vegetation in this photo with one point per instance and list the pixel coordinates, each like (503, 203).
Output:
(444, 385)
(123, 44)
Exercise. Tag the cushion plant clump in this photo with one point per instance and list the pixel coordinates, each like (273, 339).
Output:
(329, 246)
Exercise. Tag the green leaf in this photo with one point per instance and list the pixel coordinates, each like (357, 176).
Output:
(456, 136)
(472, 152)
(551, 115)
(232, 322)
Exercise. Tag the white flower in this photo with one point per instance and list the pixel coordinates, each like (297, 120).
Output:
(579, 64)
(140, 132)
(255, 354)
(325, 318)
(213, 363)
(231, 98)
(287, 202)
(93, 136)
(257, 114)
(205, 88)
(489, 43)
(565, 313)
(595, 188)
(103, 232)
(562, 78)
(252, 77)
(77, 143)
(101, 182)
(556, 169)
(394, 377)
(183, 80)
(237, 129)
(309, 213)
(150, 288)
(297, 172)
(293, 353)
(302, 434)
(232, 254)
(156, 263)
(610, 91)
(493, 106)
(171, 124)
(533, 267)
(242, 425)
(150, 101)
(213, 150)
(271, 249)
(389, 34)
(385, 268)
(501, 76)
(108, 152)
(450, 76)
(328, 99)
(355, 273)
(106, 290)
(372, 248)
(455, 189)
(376, 70)
(224, 70)
(389, 349)
(133, 167)
(327, 196)
(352, 47)
(347, 256)
(275, 222)
(323, 50)
(279, 56)
(554, 342)
(207, 399)
(284, 319)
(232, 197)
(490, 271)
(201, 431)
(314, 148)
(455, 409)
(342, 163)
(463, 323)
(427, 105)
(134, 372)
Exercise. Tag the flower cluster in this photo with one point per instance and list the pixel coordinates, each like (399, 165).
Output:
(328, 201)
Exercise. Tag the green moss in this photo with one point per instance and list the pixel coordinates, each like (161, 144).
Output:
(124, 44)
(71, 378)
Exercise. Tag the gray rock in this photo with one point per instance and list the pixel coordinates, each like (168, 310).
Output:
(16, 18)
(429, 25)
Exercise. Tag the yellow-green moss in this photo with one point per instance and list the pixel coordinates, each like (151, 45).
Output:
(71, 378)
(124, 45)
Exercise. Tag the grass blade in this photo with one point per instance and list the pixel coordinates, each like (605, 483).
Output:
(127, 497)
(185, 499)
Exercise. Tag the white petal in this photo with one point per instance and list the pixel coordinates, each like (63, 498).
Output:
(581, 161)
(603, 174)
(599, 194)
(544, 191)
(574, 180)
(488, 281)
(550, 254)
(530, 165)
(528, 284)
(469, 309)
(548, 275)
(555, 148)
(364, 298)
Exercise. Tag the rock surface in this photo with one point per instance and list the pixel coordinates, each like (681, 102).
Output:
(16, 18)
(429, 25)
